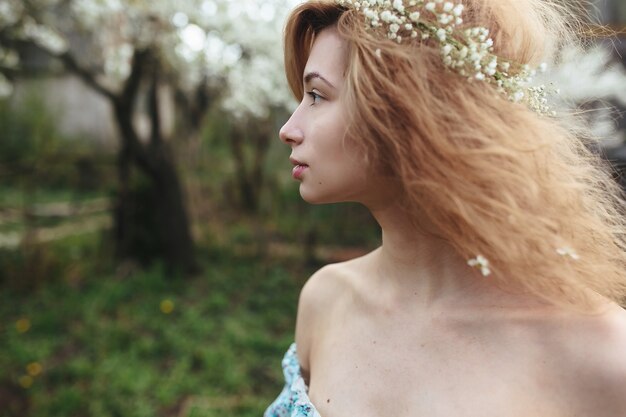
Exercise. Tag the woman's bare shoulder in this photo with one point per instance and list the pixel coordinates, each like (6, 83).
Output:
(590, 358)
(317, 299)
(330, 282)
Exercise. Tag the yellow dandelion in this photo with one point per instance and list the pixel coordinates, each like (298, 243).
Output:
(22, 325)
(34, 368)
(167, 306)
(26, 381)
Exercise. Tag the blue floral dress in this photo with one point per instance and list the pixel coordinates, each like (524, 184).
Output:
(294, 400)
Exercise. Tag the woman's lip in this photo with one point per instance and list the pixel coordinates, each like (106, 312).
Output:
(298, 170)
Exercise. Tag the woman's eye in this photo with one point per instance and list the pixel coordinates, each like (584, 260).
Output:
(316, 97)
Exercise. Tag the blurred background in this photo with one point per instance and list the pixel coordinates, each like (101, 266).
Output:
(152, 241)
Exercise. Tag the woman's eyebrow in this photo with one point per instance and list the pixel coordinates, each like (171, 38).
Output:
(311, 75)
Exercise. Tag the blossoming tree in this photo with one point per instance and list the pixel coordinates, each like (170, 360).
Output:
(210, 52)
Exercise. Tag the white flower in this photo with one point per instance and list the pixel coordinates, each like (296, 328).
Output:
(394, 28)
(446, 49)
(447, 7)
(386, 16)
(458, 10)
(441, 34)
(398, 5)
(415, 16)
(518, 96)
(567, 251)
(444, 19)
(430, 6)
(370, 14)
(481, 263)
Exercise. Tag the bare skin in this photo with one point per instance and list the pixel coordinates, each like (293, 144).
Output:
(427, 338)
(410, 329)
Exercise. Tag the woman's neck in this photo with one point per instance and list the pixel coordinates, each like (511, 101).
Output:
(414, 263)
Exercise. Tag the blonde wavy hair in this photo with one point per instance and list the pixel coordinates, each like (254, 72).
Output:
(493, 177)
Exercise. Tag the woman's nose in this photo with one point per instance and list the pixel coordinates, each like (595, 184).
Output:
(290, 134)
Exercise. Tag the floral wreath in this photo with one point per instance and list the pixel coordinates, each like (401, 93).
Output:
(469, 52)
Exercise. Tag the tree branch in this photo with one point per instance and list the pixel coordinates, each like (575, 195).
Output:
(153, 108)
(88, 78)
(124, 105)
(131, 86)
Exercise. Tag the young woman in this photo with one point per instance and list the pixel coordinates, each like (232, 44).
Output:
(497, 286)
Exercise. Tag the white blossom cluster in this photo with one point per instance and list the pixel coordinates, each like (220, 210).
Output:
(481, 263)
(568, 252)
(469, 52)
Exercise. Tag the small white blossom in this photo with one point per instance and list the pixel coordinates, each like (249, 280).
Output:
(370, 14)
(567, 251)
(518, 96)
(441, 34)
(386, 16)
(444, 19)
(481, 263)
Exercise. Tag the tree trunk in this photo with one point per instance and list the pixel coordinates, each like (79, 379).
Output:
(171, 214)
(155, 216)
(151, 222)
(250, 174)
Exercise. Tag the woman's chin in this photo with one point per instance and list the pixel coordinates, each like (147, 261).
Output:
(314, 196)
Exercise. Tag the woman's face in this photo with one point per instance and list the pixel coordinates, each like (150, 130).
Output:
(329, 169)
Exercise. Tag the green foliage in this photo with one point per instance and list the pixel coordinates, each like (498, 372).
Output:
(138, 343)
(69, 261)
(282, 211)
(28, 131)
(35, 155)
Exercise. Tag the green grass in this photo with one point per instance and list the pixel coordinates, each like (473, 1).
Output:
(16, 197)
(106, 348)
